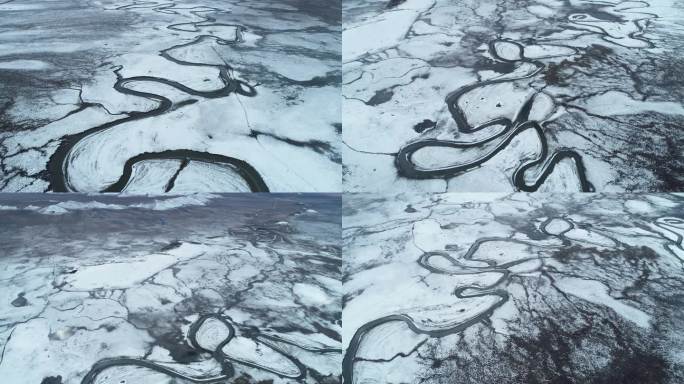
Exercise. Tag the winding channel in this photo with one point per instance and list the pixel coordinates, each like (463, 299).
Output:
(511, 128)
(226, 372)
(59, 162)
(218, 354)
(461, 293)
(547, 160)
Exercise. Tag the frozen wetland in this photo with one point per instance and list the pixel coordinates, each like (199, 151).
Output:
(490, 95)
(163, 96)
(186, 289)
(513, 289)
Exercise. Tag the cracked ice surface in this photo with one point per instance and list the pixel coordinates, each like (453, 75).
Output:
(494, 95)
(185, 289)
(513, 289)
(162, 96)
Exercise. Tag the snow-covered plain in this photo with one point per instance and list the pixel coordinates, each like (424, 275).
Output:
(490, 95)
(163, 96)
(513, 289)
(150, 290)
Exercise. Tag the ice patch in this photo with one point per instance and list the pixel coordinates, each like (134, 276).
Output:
(597, 293)
(311, 295)
(24, 65)
(615, 103)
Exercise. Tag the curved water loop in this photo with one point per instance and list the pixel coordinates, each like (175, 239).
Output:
(462, 292)
(511, 128)
(59, 163)
(197, 339)
(621, 23)
(227, 369)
